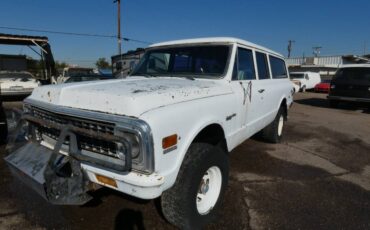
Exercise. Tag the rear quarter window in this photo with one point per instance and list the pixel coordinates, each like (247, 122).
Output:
(278, 68)
(357, 73)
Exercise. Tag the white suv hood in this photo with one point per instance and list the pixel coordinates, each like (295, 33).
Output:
(131, 97)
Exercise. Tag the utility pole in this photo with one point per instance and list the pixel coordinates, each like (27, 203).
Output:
(316, 50)
(119, 26)
(290, 46)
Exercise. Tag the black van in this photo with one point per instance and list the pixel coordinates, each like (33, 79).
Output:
(350, 83)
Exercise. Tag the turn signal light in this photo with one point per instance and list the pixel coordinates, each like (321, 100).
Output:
(106, 180)
(169, 141)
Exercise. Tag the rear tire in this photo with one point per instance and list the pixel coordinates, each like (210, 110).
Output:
(274, 132)
(196, 196)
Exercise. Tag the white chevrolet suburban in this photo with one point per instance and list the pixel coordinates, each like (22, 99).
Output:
(165, 131)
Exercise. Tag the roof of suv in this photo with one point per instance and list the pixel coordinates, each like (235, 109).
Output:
(355, 65)
(215, 40)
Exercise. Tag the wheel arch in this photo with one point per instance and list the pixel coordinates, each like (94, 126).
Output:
(213, 134)
(284, 105)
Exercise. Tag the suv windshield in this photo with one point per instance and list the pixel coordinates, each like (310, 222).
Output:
(79, 78)
(76, 71)
(358, 73)
(297, 75)
(192, 61)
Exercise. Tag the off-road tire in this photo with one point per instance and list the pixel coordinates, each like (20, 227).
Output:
(270, 133)
(179, 202)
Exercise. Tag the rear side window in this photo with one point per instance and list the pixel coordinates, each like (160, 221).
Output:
(278, 68)
(244, 68)
(262, 66)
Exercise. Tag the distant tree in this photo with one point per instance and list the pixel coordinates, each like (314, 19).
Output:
(102, 63)
(60, 65)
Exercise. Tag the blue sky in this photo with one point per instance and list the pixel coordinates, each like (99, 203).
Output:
(340, 27)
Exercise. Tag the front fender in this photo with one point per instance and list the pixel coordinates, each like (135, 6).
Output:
(186, 120)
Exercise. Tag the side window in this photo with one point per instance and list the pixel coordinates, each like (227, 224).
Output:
(244, 68)
(262, 66)
(278, 68)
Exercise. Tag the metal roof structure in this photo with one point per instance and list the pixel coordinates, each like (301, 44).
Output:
(11, 39)
(40, 42)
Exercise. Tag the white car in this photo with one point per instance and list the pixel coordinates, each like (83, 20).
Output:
(166, 130)
(296, 85)
(70, 72)
(14, 83)
(305, 80)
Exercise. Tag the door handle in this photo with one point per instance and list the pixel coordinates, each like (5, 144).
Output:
(261, 90)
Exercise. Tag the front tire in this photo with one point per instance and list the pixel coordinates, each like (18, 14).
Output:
(196, 196)
(274, 132)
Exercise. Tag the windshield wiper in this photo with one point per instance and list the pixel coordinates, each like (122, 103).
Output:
(183, 76)
(147, 75)
(189, 77)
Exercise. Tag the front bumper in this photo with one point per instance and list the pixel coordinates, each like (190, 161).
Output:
(5, 92)
(321, 90)
(63, 174)
(355, 99)
(135, 184)
(31, 164)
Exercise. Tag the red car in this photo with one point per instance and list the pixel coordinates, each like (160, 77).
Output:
(323, 87)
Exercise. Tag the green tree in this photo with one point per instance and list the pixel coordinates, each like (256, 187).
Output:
(60, 65)
(102, 63)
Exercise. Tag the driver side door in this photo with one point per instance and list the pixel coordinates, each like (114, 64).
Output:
(248, 91)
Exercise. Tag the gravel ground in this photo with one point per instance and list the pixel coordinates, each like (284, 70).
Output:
(317, 178)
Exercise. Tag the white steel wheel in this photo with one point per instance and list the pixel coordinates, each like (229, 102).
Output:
(280, 125)
(209, 190)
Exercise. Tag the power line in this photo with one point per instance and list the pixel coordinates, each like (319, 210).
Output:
(75, 34)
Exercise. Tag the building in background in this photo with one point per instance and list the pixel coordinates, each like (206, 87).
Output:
(325, 65)
(123, 64)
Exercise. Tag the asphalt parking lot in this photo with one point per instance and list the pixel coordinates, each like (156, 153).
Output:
(317, 178)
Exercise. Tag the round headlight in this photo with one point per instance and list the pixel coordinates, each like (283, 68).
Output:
(135, 146)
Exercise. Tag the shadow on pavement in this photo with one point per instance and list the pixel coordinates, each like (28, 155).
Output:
(292, 196)
(129, 219)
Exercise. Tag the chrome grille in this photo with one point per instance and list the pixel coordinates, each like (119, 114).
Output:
(84, 142)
